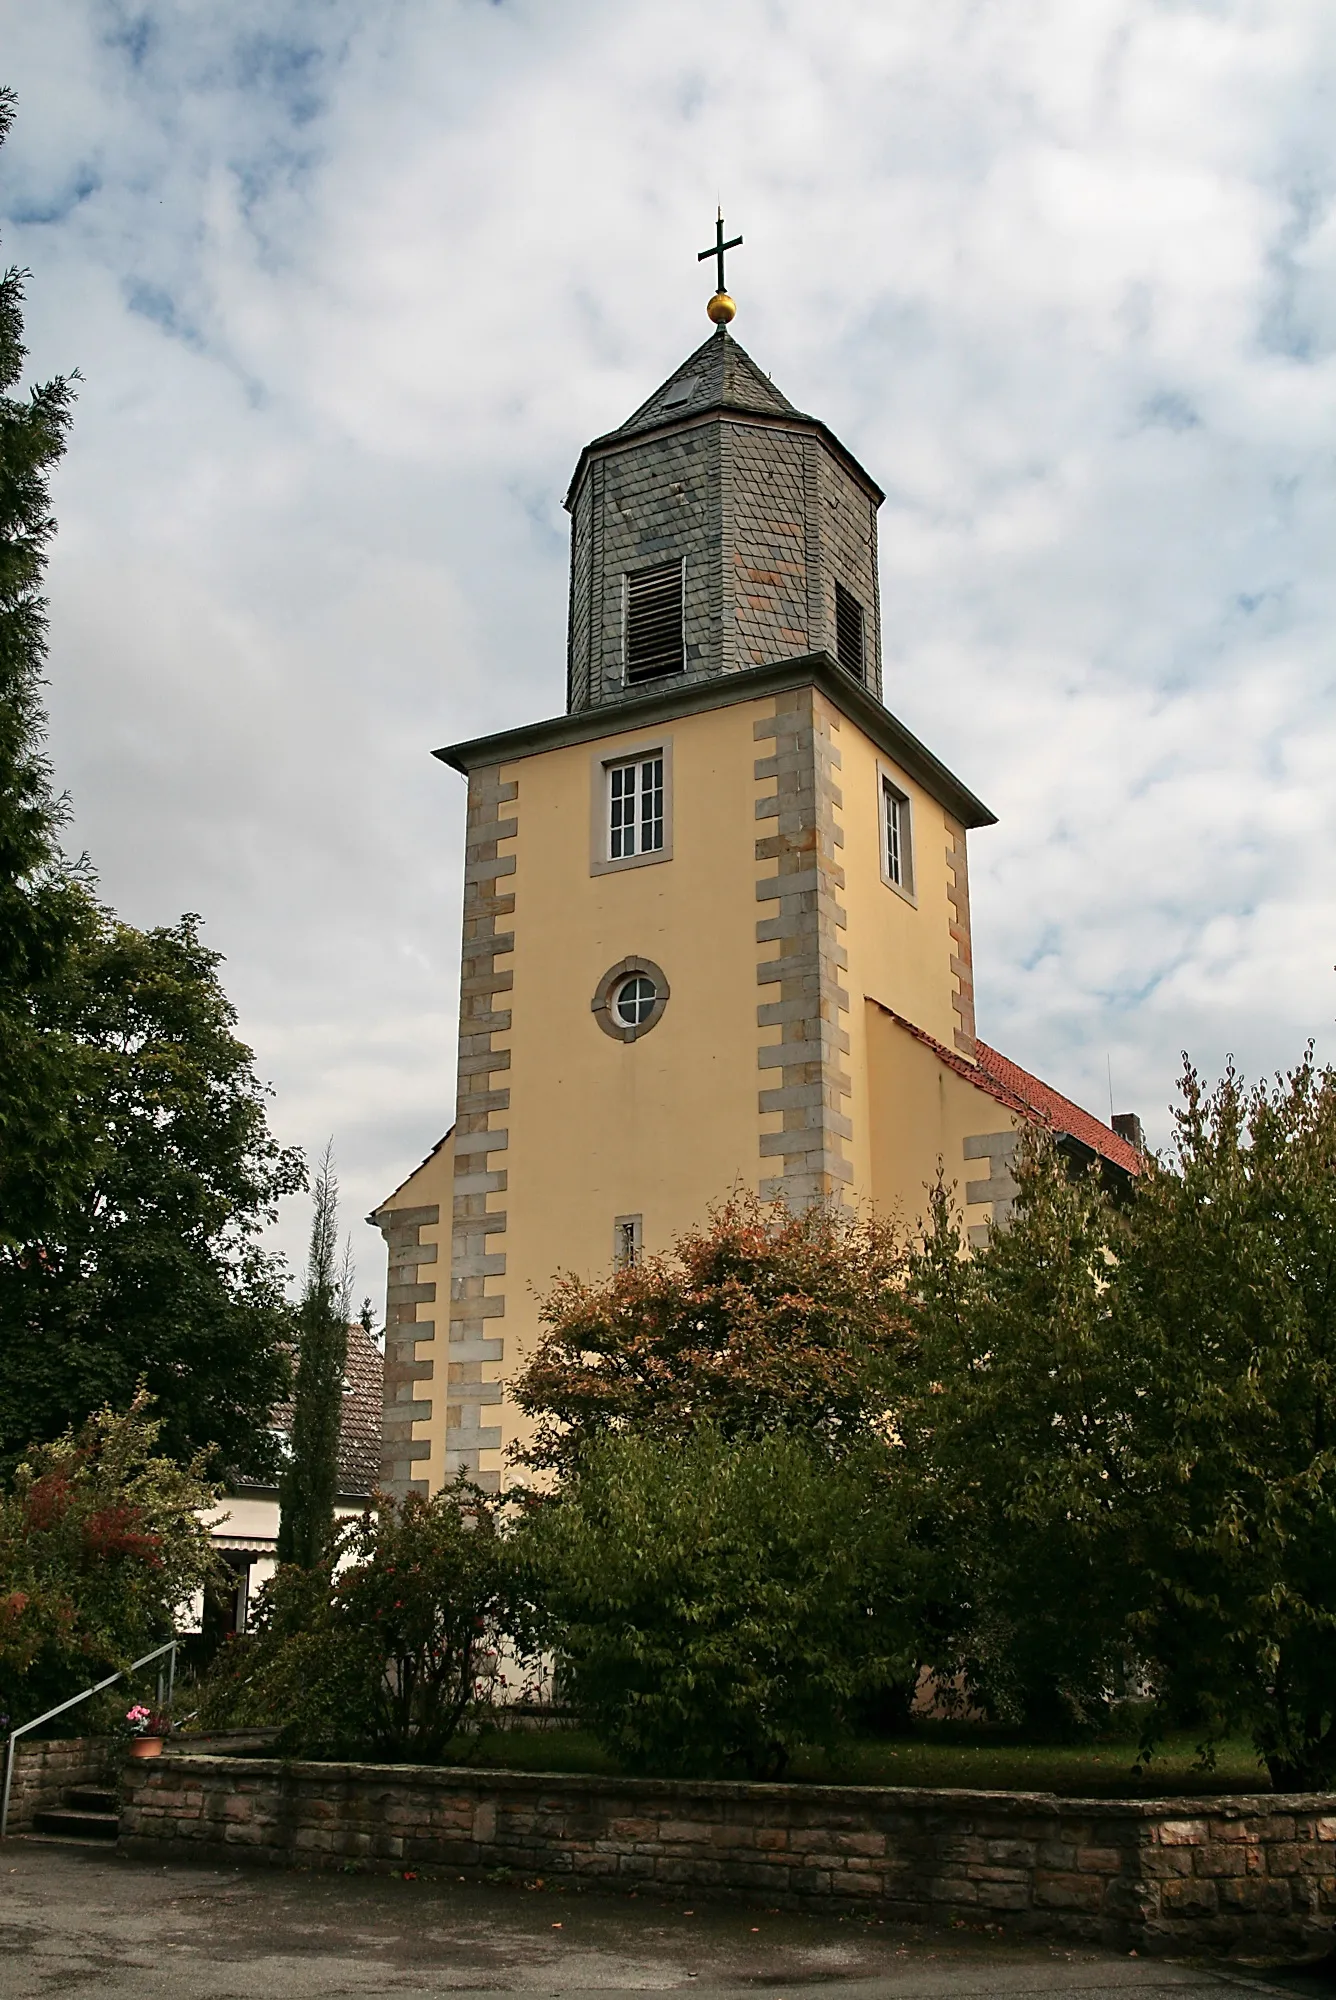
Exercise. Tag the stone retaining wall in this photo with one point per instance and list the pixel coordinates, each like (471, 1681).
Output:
(1159, 1875)
(43, 1772)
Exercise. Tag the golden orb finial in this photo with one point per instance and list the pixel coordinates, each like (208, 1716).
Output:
(721, 309)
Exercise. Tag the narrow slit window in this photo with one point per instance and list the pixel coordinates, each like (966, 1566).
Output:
(897, 838)
(850, 634)
(655, 643)
(627, 1231)
(635, 807)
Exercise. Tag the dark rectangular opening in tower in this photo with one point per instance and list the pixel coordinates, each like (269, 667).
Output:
(850, 644)
(654, 640)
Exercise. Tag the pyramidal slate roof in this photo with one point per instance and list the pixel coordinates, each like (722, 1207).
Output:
(720, 375)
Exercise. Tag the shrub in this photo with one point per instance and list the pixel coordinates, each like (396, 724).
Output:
(100, 1546)
(380, 1647)
(716, 1604)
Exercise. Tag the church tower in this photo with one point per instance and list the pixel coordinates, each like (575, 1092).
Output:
(716, 915)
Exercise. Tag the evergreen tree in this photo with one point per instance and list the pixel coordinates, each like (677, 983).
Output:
(136, 1165)
(46, 908)
(310, 1477)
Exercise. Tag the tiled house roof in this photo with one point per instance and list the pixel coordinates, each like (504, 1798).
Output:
(359, 1433)
(1049, 1107)
(360, 1426)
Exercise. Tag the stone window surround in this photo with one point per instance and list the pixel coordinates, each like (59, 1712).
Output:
(602, 761)
(601, 1004)
(886, 775)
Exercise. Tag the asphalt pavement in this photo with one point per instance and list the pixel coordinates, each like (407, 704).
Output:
(88, 1921)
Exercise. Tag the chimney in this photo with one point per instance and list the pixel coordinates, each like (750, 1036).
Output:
(1128, 1126)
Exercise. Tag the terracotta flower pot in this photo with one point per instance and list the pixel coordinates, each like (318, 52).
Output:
(146, 1746)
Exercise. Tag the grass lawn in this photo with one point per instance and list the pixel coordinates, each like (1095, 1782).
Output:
(936, 1754)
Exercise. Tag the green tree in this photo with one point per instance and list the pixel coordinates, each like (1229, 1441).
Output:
(1227, 1292)
(46, 908)
(715, 1604)
(310, 1475)
(380, 1647)
(759, 1321)
(1019, 1451)
(101, 1543)
(1123, 1438)
(136, 1166)
(155, 1271)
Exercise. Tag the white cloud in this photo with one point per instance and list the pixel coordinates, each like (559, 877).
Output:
(350, 286)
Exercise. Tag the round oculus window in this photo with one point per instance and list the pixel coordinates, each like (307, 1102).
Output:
(630, 998)
(634, 1000)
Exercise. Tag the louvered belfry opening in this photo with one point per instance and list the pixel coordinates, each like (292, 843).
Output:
(850, 642)
(654, 636)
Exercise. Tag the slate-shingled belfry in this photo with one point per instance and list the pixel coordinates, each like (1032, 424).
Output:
(716, 927)
(755, 509)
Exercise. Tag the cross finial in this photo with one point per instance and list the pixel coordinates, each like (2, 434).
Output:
(721, 308)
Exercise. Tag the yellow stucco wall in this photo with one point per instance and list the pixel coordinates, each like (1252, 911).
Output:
(922, 1112)
(599, 1128)
(595, 1128)
(899, 951)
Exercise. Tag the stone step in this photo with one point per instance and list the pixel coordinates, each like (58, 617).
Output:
(91, 1799)
(73, 1824)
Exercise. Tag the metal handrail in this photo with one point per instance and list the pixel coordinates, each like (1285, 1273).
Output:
(73, 1702)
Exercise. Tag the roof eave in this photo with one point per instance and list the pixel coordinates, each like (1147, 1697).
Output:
(687, 697)
(612, 442)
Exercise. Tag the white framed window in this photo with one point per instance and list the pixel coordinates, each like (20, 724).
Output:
(897, 837)
(635, 807)
(630, 999)
(627, 1234)
(631, 808)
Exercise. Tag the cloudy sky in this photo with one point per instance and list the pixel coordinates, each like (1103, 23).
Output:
(350, 282)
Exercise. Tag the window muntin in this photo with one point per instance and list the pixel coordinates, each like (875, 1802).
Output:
(634, 1000)
(630, 998)
(850, 633)
(635, 807)
(897, 838)
(655, 639)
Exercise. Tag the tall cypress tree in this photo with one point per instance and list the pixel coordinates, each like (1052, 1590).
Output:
(46, 906)
(310, 1477)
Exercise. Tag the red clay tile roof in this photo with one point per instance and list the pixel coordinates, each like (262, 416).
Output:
(1049, 1107)
(1020, 1092)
